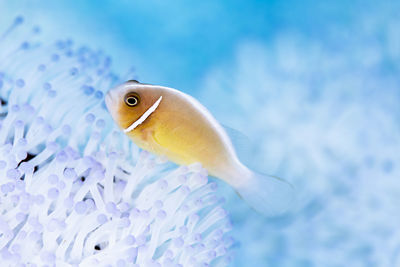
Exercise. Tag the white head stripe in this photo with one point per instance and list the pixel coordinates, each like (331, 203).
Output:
(144, 116)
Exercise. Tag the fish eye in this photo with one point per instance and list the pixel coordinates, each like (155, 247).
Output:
(131, 99)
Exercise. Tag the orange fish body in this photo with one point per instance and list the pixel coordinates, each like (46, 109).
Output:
(167, 122)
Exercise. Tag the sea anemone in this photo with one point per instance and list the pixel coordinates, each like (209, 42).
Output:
(325, 115)
(73, 189)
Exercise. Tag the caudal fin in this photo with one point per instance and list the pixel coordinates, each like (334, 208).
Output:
(269, 195)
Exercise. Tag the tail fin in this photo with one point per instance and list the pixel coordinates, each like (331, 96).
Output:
(269, 195)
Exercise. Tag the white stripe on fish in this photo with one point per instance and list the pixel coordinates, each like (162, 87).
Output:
(144, 116)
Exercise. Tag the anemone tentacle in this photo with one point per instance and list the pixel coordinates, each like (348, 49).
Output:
(73, 189)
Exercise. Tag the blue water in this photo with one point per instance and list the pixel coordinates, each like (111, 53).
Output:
(176, 43)
(314, 87)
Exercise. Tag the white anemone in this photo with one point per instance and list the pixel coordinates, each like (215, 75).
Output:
(73, 189)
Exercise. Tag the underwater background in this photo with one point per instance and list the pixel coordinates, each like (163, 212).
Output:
(313, 86)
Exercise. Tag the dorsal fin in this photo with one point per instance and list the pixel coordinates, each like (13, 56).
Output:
(137, 82)
(133, 81)
(239, 140)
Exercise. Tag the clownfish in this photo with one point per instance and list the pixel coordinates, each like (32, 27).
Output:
(170, 123)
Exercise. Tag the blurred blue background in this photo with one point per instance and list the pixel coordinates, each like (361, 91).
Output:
(314, 85)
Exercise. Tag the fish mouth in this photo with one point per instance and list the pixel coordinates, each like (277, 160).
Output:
(109, 100)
